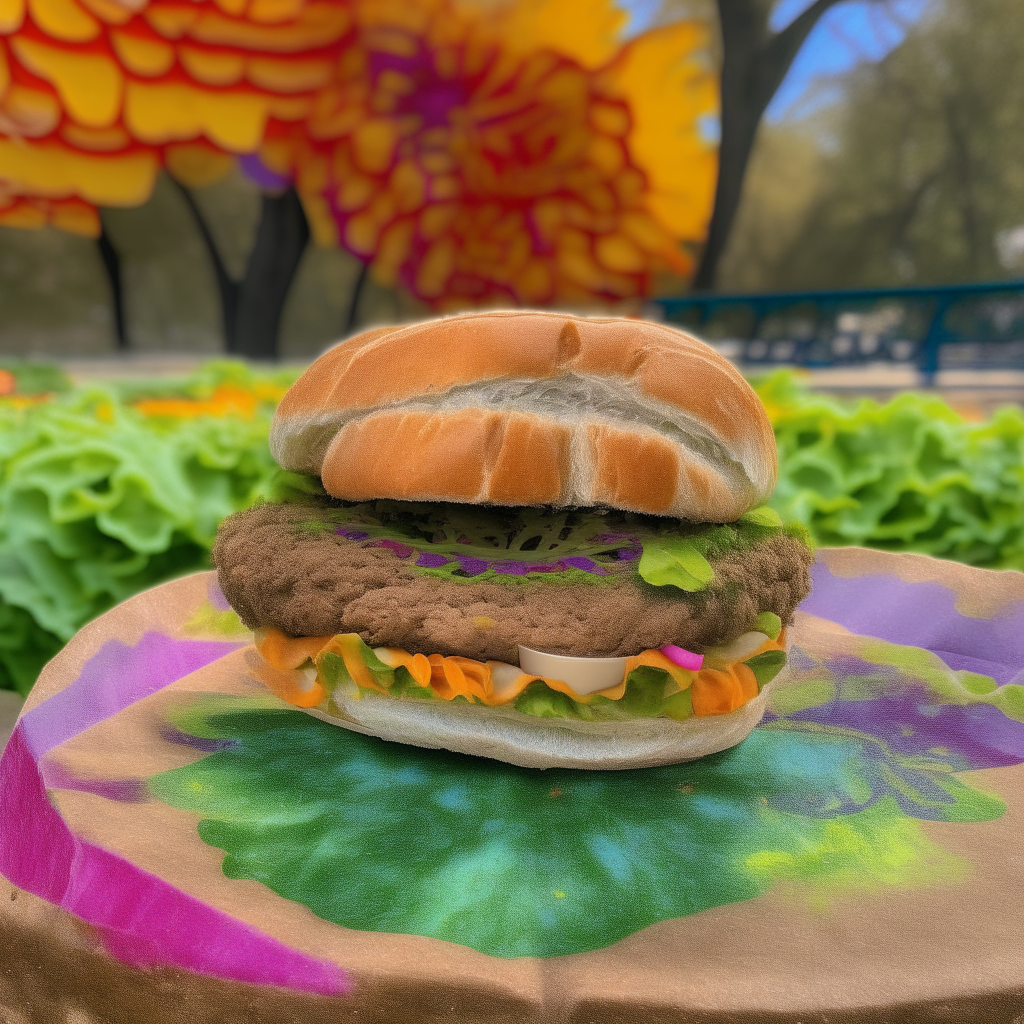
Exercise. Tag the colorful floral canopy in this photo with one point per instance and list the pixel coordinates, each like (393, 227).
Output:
(472, 152)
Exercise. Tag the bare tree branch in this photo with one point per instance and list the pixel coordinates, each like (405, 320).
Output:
(754, 63)
(112, 266)
(227, 286)
(251, 308)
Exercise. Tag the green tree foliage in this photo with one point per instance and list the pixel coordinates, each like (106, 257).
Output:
(920, 172)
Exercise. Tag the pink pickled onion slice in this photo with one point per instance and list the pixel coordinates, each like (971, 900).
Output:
(684, 659)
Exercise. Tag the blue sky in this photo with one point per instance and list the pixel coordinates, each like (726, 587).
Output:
(846, 35)
(850, 32)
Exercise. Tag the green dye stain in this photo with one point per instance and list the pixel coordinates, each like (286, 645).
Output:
(518, 862)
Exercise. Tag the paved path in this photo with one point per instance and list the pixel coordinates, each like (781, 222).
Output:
(975, 392)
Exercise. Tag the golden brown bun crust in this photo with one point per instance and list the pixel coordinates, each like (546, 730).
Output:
(526, 407)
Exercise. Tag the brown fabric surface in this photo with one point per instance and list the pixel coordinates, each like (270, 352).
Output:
(53, 970)
(318, 584)
(945, 951)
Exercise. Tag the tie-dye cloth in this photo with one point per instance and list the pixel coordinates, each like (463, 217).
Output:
(152, 789)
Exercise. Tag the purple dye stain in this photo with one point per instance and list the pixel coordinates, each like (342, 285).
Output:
(172, 734)
(401, 550)
(914, 724)
(124, 791)
(427, 560)
(586, 564)
(341, 531)
(258, 172)
(217, 599)
(511, 568)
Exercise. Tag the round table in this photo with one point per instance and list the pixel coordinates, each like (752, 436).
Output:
(178, 845)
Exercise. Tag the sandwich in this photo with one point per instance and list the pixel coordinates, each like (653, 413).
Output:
(523, 535)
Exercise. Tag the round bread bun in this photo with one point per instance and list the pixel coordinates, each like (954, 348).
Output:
(508, 735)
(525, 407)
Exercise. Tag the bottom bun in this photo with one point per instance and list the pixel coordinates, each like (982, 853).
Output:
(508, 735)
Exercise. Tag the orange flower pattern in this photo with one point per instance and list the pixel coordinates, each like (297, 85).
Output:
(474, 153)
(97, 95)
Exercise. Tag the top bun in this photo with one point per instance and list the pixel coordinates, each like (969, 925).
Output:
(531, 408)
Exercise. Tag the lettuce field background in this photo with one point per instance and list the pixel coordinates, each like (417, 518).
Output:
(106, 490)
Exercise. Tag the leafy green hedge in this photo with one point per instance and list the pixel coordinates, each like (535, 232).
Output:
(103, 495)
(107, 490)
(907, 475)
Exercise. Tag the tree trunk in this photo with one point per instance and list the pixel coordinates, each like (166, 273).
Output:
(754, 62)
(112, 265)
(251, 308)
(227, 286)
(353, 301)
(281, 239)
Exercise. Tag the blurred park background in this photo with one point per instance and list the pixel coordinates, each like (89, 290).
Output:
(830, 191)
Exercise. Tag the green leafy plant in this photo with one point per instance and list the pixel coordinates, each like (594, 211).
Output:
(102, 496)
(907, 475)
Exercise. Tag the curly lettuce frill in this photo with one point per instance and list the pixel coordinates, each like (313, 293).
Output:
(102, 497)
(907, 475)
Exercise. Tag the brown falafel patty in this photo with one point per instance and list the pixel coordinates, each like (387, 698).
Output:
(324, 568)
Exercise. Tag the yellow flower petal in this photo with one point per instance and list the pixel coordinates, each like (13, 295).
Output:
(212, 67)
(279, 75)
(22, 214)
(320, 25)
(110, 11)
(289, 108)
(12, 13)
(98, 140)
(148, 57)
(392, 250)
(27, 112)
(232, 7)
(373, 144)
(354, 192)
(408, 185)
(272, 11)
(89, 84)
(361, 234)
(436, 267)
(196, 165)
(670, 87)
(588, 31)
(64, 20)
(617, 252)
(76, 218)
(322, 225)
(171, 22)
(52, 170)
(172, 111)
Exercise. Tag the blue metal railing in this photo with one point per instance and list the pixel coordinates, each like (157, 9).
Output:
(969, 326)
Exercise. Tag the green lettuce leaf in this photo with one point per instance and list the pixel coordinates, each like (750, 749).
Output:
(762, 516)
(768, 623)
(766, 666)
(676, 562)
